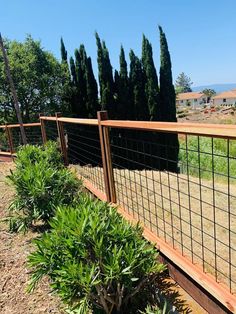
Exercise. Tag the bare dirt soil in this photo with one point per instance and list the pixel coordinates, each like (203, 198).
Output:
(192, 216)
(14, 274)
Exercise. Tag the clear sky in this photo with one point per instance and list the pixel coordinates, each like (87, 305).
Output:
(201, 33)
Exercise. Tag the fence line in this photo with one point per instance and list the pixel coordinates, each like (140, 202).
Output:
(189, 212)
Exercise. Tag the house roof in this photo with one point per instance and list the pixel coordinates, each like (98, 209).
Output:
(227, 94)
(192, 95)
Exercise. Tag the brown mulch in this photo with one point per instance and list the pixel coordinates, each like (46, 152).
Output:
(14, 275)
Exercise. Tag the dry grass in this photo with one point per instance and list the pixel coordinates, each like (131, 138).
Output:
(187, 213)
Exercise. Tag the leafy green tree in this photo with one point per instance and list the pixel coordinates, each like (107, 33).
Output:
(169, 144)
(183, 83)
(209, 93)
(38, 78)
(151, 80)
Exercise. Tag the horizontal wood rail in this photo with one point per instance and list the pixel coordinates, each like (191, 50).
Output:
(212, 130)
(72, 120)
(202, 129)
(10, 126)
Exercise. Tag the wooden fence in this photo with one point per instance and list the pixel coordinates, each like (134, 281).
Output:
(190, 214)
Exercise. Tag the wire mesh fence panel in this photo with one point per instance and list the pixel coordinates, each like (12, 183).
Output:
(84, 152)
(51, 131)
(33, 136)
(192, 208)
(4, 146)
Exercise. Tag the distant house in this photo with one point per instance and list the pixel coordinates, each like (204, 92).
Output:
(193, 99)
(227, 98)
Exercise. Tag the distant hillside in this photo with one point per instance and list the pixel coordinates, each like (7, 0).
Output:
(217, 87)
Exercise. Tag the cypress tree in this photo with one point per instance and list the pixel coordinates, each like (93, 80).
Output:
(81, 81)
(123, 93)
(63, 51)
(169, 142)
(92, 91)
(67, 93)
(116, 93)
(105, 76)
(137, 89)
(73, 71)
(167, 90)
(74, 89)
(151, 80)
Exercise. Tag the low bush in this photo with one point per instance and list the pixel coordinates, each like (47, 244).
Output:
(30, 154)
(41, 183)
(97, 262)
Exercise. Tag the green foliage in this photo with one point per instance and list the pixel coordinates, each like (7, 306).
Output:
(63, 51)
(137, 84)
(105, 76)
(200, 153)
(95, 259)
(122, 89)
(151, 80)
(183, 83)
(38, 78)
(41, 183)
(169, 144)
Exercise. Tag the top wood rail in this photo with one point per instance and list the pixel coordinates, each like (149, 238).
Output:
(18, 125)
(71, 120)
(212, 130)
(201, 129)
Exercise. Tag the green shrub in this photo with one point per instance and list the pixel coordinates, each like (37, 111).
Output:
(30, 154)
(41, 183)
(96, 260)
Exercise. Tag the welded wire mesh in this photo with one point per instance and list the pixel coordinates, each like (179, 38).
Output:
(4, 147)
(194, 208)
(84, 152)
(33, 136)
(51, 131)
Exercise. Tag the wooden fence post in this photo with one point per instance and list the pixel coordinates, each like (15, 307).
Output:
(10, 140)
(106, 158)
(43, 129)
(60, 130)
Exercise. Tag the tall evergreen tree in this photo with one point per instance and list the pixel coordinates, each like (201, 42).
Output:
(169, 142)
(151, 80)
(80, 59)
(137, 88)
(105, 76)
(67, 88)
(123, 92)
(63, 51)
(167, 90)
(92, 91)
(73, 71)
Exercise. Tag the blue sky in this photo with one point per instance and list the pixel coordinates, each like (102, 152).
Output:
(201, 34)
